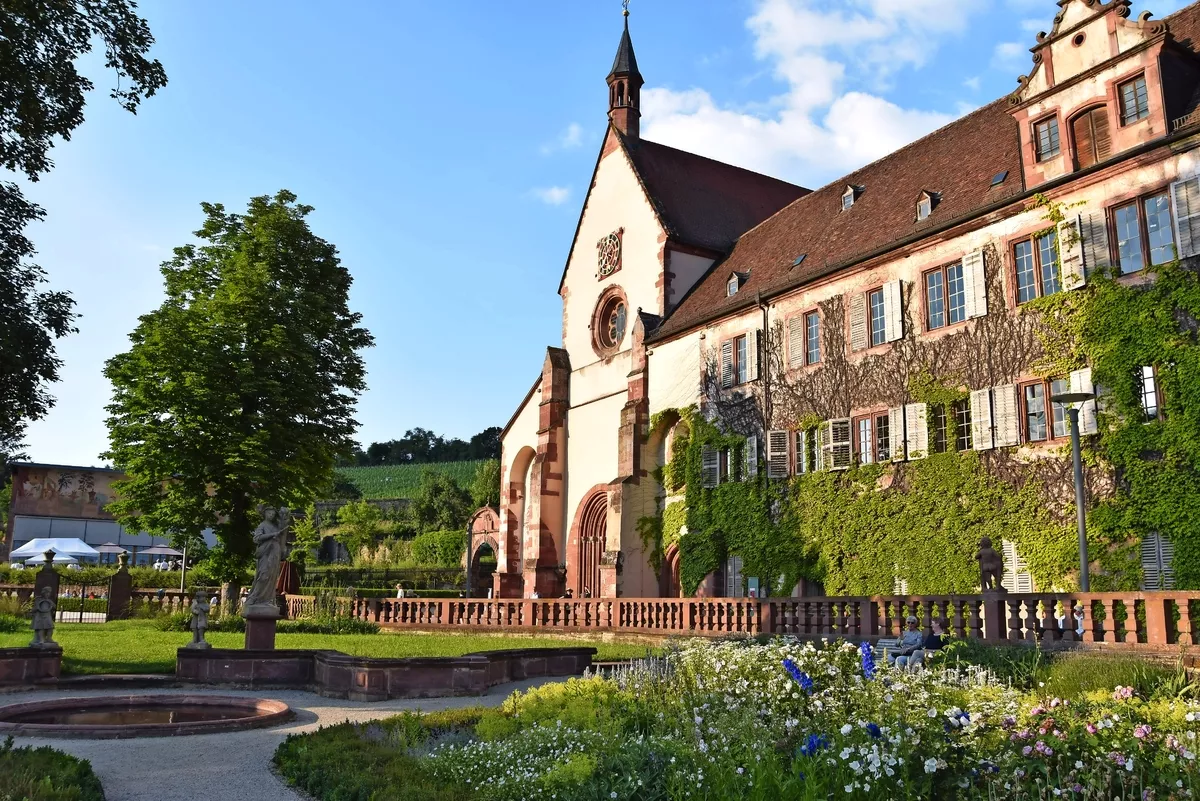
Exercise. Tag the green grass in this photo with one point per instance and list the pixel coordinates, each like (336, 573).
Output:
(136, 646)
(401, 481)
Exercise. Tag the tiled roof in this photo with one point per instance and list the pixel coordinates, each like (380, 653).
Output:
(703, 202)
(1184, 27)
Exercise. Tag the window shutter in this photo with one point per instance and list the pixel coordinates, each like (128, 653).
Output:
(710, 466)
(1070, 249)
(896, 433)
(1016, 577)
(1185, 198)
(777, 454)
(975, 283)
(916, 430)
(1006, 413)
(1166, 561)
(751, 456)
(841, 450)
(1095, 242)
(893, 313)
(727, 364)
(1081, 132)
(858, 309)
(796, 341)
(1100, 133)
(981, 420)
(753, 354)
(818, 451)
(1151, 575)
(1081, 381)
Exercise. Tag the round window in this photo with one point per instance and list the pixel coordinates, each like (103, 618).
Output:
(612, 323)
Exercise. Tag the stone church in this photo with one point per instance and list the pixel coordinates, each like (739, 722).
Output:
(681, 265)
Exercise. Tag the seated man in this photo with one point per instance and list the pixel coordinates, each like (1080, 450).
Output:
(909, 642)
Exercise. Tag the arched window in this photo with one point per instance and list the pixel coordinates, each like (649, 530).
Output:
(620, 93)
(1089, 131)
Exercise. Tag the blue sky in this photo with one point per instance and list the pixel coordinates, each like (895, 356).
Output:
(446, 147)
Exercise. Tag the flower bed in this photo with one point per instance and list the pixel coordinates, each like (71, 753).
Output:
(782, 720)
(44, 774)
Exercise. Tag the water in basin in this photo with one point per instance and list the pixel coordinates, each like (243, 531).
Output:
(129, 715)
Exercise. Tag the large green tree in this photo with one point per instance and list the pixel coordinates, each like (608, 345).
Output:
(42, 96)
(240, 388)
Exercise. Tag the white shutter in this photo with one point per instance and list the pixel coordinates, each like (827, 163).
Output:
(777, 454)
(1081, 381)
(818, 453)
(841, 444)
(795, 337)
(981, 420)
(1016, 576)
(710, 466)
(1070, 251)
(858, 321)
(753, 353)
(893, 312)
(1006, 412)
(1185, 203)
(916, 430)
(727, 364)
(975, 284)
(1094, 227)
(896, 433)
(751, 456)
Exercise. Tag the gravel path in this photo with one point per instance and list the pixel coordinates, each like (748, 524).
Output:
(234, 766)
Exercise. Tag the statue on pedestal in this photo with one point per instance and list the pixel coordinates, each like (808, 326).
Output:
(200, 610)
(270, 541)
(991, 567)
(43, 620)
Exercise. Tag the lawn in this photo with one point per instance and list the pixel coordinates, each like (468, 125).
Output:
(137, 646)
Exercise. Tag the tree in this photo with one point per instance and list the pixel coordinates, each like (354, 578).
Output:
(41, 97)
(240, 388)
(485, 489)
(486, 444)
(358, 526)
(306, 537)
(439, 503)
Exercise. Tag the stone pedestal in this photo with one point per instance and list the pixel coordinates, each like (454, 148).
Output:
(260, 626)
(30, 665)
(120, 591)
(995, 616)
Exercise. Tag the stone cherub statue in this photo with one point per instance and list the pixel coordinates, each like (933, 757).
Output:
(200, 610)
(270, 542)
(991, 567)
(43, 620)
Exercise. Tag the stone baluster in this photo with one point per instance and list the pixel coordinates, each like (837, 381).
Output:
(1050, 630)
(1131, 621)
(1108, 630)
(1014, 618)
(1185, 621)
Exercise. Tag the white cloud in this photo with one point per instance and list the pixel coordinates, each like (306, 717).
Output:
(972, 83)
(570, 138)
(552, 195)
(834, 65)
(1012, 56)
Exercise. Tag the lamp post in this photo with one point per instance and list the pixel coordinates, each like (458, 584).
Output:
(1074, 399)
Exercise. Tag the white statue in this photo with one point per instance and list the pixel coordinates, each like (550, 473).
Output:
(43, 620)
(270, 541)
(200, 610)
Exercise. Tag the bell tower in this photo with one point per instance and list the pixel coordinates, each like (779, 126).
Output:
(625, 87)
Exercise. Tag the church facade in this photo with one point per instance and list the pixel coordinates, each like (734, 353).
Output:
(798, 319)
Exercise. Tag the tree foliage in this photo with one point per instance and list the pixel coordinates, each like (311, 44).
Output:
(440, 503)
(240, 388)
(485, 489)
(358, 526)
(422, 446)
(42, 96)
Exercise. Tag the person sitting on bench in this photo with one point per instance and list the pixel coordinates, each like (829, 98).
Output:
(910, 641)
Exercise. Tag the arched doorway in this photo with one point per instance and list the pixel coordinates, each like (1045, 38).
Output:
(593, 529)
(518, 510)
(483, 567)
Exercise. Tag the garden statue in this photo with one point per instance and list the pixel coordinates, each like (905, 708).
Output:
(200, 610)
(269, 541)
(991, 567)
(43, 620)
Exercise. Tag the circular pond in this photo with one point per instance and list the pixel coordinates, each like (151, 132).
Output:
(140, 716)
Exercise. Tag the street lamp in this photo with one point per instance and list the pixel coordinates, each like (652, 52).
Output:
(1075, 398)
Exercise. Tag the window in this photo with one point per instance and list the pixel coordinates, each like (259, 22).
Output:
(1037, 267)
(1035, 399)
(864, 442)
(848, 198)
(1158, 556)
(938, 417)
(924, 207)
(732, 287)
(807, 452)
(812, 338)
(883, 438)
(1151, 404)
(1151, 215)
(1135, 102)
(739, 360)
(945, 296)
(1045, 138)
(1092, 141)
(878, 317)
(962, 424)
(611, 324)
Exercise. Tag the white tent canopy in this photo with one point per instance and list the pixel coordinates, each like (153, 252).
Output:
(72, 547)
(59, 559)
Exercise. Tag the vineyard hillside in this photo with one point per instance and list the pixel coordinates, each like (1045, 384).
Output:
(400, 481)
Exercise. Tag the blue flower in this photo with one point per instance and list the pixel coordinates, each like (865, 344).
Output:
(874, 731)
(799, 675)
(868, 660)
(813, 744)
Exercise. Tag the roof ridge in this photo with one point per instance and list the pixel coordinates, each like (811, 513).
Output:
(643, 140)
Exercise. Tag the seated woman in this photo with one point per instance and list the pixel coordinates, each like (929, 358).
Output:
(910, 641)
(933, 642)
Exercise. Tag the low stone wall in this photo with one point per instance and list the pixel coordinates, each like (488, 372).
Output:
(338, 675)
(30, 665)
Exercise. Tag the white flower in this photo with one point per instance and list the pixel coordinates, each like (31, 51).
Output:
(1190, 717)
(613, 794)
(932, 713)
(741, 771)
(847, 729)
(856, 766)
(1129, 764)
(1078, 764)
(931, 764)
(849, 788)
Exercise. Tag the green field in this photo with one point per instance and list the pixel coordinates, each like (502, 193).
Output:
(137, 646)
(400, 481)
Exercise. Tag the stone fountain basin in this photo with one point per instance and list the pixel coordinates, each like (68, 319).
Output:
(162, 715)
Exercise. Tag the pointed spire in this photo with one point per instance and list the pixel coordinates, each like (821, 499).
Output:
(624, 86)
(625, 63)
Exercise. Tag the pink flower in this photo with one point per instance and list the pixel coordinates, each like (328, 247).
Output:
(1090, 729)
(1118, 758)
(1027, 750)
(1141, 732)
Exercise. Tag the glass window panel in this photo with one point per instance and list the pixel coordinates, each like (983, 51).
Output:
(1129, 238)
(1058, 411)
(739, 346)
(1048, 258)
(1026, 287)
(812, 338)
(1035, 412)
(866, 449)
(1149, 392)
(1135, 101)
(962, 421)
(878, 323)
(883, 438)
(1047, 138)
(939, 428)
(1159, 234)
(956, 294)
(935, 304)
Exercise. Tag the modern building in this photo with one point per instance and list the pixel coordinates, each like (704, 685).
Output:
(695, 284)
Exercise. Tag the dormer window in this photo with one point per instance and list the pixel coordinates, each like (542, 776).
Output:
(733, 286)
(848, 198)
(925, 205)
(1135, 102)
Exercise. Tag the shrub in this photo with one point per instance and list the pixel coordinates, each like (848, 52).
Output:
(329, 625)
(43, 774)
(1075, 674)
(439, 548)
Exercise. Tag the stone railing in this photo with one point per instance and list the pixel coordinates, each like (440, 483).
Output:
(1155, 618)
(168, 602)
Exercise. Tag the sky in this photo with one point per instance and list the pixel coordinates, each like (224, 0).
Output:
(447, 147)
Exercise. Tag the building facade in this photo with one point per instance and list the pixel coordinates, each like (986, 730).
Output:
(801, 322)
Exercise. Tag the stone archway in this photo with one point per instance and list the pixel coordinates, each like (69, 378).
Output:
(669, 583)
(483, 530)
(590, 535)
